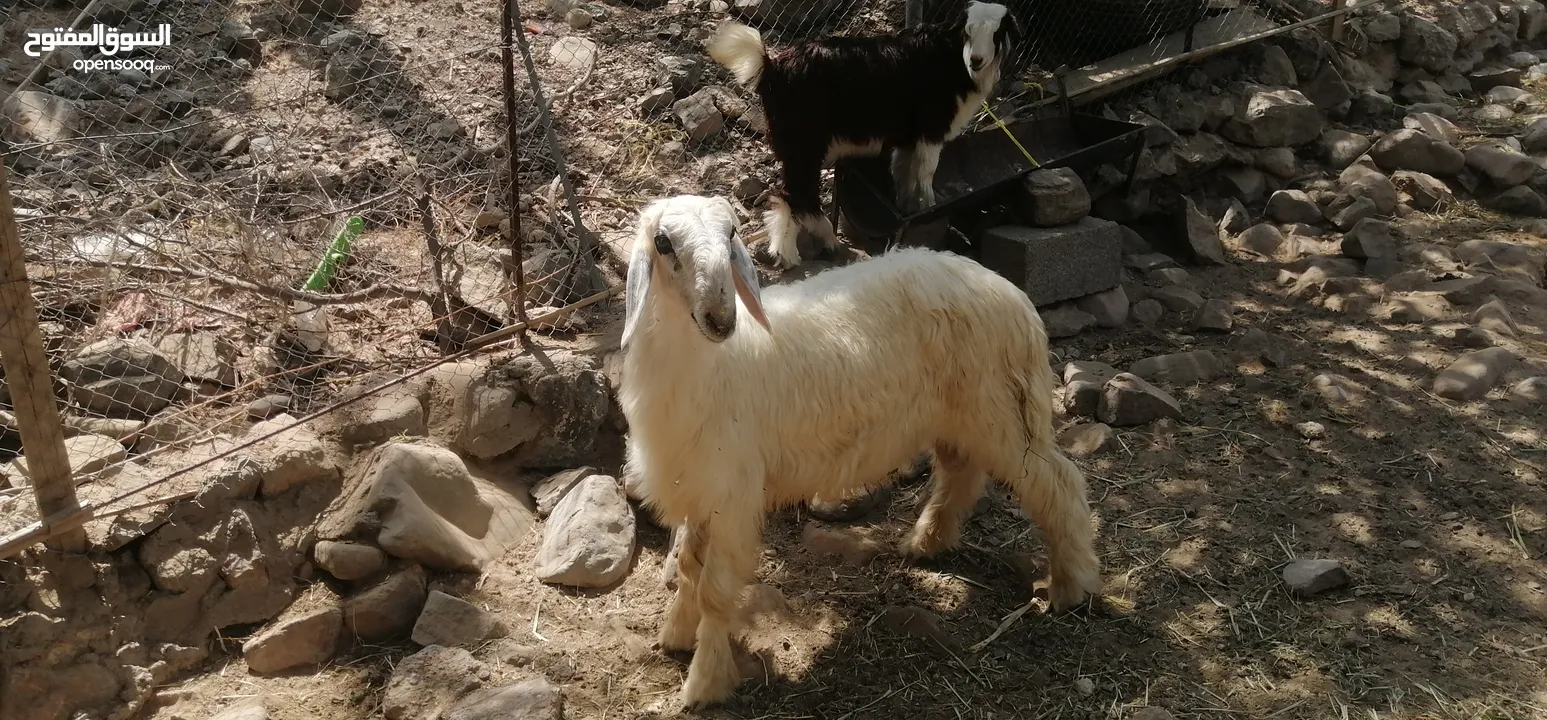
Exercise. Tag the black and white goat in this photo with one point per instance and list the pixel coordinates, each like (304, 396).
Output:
(826, 99)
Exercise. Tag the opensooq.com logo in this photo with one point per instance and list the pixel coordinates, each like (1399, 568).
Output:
(107, 40)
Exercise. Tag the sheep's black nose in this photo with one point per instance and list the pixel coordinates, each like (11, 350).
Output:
(718, 326)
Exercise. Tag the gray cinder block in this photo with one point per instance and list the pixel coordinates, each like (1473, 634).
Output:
(1059, 263)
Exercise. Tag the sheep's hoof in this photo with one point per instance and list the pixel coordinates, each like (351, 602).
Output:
(1062, 597)
(706, 686)
(924, 546)
(674, 639)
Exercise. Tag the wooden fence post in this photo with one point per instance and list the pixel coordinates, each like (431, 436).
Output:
(30, 382)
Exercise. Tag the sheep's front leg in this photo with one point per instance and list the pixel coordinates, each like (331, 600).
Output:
(927, 158)
(730, 554)
(683, 618)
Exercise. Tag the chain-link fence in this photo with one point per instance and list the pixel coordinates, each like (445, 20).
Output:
(232, 209)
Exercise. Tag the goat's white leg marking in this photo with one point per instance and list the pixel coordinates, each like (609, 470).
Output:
(927, 159)
(821, 227)
(730, 555)
(905, 177)
(782, 234)
(1051, 490)
(958, 483)
(682, 620)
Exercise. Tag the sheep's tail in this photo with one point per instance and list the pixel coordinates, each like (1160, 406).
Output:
(740, 49)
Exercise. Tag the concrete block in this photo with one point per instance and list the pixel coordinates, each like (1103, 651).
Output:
(1061, 263)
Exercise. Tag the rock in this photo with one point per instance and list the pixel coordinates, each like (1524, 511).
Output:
(1275, 68)
(388, 607)
(268, 406)
(1486, 79)
(1534, 138)
(1311, 430)
(1426, 44)
(1086, 439)
(1236, 219)
(1056, 197)
(1369, 106)
(589, 539)
(1263, 239)
(1147, 311)
(1066, 320)
(680, 72)
(1179, 368)
(1341, 148)
(1109, 308)
(421, 504)
(293, 457)
(1472, 375)
(1293, 206)
(550, 490)
(1312, 577)
(90, 455)
(1328, 90)
(917, 622)
(1199, 153)
(1275, 117)
(428, 683)
(347, 560)
(1492, 114)
(1504, 259)
(1508, 96)
(1473, 337)
(1214, 315)
(1149, 262)
(394, 412)
(1434, 126)
(1520, 200)
(1532, 389)
(1424, 92)
(305, 639)
(1409, 149)
(1369, 238)
(1152, 713)
(1494, 317)
(1426, 192)
(656, 101)
(1242, 183)
(1083, 381)
(1129, 400)
(748, 188)
(1202, 237)
(1414, 309)
(454, 622)
(34, 116)
(1178, 299)
(1359, 181)
(699, 115)
(573, 53)
(1354, 212)
(531, 699)
(578, 19)
(119, 378)
(1502, 164)
(1278, 162)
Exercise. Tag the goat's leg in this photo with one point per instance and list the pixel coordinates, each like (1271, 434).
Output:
(782, 233)
(904, 177)
(1051, 490)
(682, 620)
(958, 483)
(927, 159)
(730, 555)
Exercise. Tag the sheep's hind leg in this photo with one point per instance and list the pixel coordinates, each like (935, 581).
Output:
(958, 483)
(682, 620)
(730, 555)
(1051, 490)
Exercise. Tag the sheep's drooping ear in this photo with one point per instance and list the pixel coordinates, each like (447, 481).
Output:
(744, 276)
(641, 267)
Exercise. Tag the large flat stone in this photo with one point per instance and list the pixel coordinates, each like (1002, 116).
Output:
(1062, 263)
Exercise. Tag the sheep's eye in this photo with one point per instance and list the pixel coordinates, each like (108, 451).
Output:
(663, 244)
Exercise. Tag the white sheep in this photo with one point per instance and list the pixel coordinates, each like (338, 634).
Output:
(852, 373)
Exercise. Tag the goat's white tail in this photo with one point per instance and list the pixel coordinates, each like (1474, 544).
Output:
(740, 49)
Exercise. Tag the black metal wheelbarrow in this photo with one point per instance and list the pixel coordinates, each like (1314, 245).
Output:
(976, 170)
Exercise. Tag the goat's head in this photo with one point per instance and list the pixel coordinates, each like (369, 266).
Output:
(989, 32)
(686, 251)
